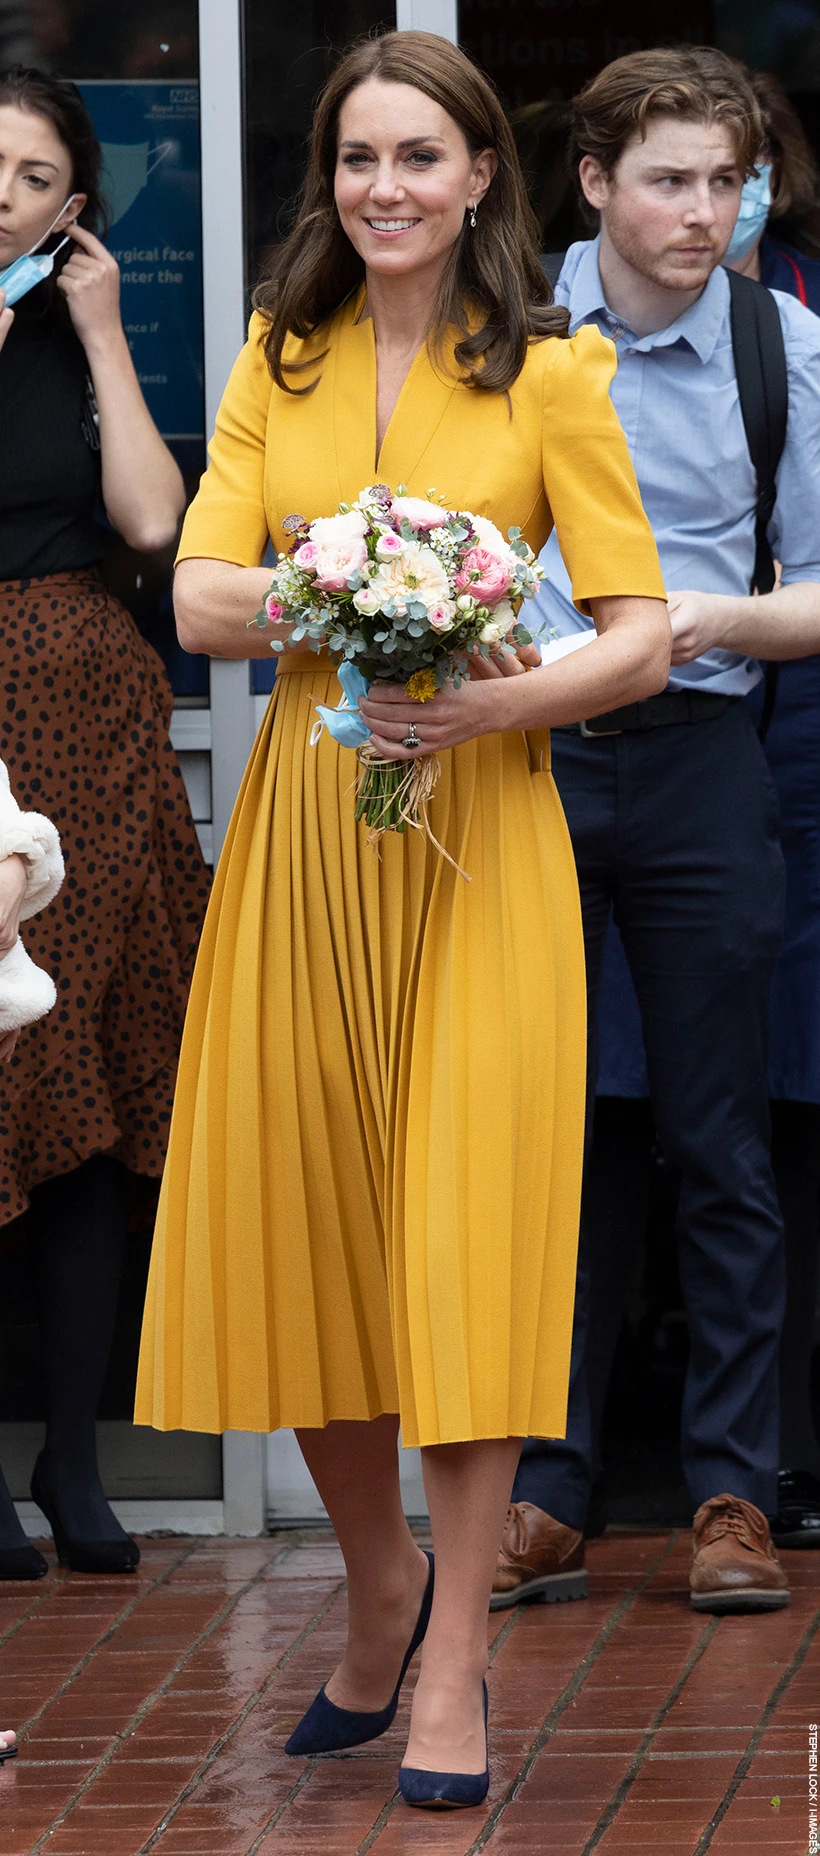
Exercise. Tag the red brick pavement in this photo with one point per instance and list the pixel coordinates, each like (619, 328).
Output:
(153, 1711)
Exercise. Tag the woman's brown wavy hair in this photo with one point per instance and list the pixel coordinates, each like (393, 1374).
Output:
(493, 290)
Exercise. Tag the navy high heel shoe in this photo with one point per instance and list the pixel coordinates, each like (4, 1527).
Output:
(328, 1729)
(442, 1791)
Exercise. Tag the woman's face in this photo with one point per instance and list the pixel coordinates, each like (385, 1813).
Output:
(404, 178)
(35, 180)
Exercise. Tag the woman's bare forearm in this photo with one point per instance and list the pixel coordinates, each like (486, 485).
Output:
(142, 486)
(215, 604)
(628, 661)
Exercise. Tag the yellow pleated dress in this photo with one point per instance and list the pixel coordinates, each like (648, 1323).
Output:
(371, 1197)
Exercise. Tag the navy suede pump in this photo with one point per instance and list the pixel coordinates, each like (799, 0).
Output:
(328, 1729)
(446, 1791)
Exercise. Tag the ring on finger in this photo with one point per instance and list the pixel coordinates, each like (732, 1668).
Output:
(411, 739)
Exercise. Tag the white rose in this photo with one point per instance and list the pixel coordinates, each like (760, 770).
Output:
(417, 573)
(328, 530)
(366, 602)
(389, 546)
(491, 634)
(504, 616)
(489, 536)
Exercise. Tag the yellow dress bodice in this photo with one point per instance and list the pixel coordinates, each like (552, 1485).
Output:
(550, 450)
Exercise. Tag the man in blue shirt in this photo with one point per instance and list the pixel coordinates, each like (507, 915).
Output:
(670, 803)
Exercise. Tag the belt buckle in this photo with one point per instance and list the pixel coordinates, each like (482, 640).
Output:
(596, 734)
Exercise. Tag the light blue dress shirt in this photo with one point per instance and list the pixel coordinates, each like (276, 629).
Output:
(676, 396)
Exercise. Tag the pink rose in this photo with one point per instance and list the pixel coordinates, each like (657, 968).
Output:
(274, 611)
(336, 564)
(388, 544)
(417, 511)
(484, 575)
(442, 615)
(307, 555)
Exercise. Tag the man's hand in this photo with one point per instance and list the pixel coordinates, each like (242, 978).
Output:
(13, 878)
(700, 621)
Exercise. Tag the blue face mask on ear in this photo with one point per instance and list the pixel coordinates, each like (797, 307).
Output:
(27, 270)
(755, 205)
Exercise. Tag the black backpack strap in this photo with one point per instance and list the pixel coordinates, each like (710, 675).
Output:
(552, 265)
(762, 383)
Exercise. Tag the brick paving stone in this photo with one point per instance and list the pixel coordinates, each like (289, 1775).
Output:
(158, 1704)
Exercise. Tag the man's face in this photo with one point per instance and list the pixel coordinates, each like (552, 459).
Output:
(670, 205)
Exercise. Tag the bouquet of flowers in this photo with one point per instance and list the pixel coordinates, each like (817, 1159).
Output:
(399, 588)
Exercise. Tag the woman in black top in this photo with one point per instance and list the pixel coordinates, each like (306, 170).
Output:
(84, 711)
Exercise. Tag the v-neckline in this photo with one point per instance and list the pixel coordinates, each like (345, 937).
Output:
(405, 437)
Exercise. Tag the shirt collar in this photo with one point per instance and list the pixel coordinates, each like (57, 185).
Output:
(699, 326)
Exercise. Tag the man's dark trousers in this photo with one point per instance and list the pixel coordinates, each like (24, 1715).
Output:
(676, 829)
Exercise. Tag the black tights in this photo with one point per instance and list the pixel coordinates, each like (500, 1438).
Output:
(75, 1228)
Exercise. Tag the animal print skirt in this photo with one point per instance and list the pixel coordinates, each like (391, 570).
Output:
(84, 713)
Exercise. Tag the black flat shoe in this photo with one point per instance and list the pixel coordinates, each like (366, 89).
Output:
(797, 1522)
(328, 1729)
(8, 1752)
(447, 1791)
(100, 1556)
(22, 1563)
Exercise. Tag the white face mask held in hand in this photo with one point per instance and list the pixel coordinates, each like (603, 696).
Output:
(24, 272)
(755, 205)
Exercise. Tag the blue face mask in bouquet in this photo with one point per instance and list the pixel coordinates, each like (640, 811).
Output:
(344, 722)
(755, 206)
(28, 270)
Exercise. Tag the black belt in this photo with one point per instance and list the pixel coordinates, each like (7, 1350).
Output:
(665, 711)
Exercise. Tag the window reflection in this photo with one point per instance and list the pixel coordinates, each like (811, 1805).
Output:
(289, 52)
(102, 38)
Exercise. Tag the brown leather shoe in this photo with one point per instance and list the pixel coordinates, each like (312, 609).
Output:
(538, 1558)
(734, 1565)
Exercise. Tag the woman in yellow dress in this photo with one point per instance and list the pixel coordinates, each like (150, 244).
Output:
(370, 1206)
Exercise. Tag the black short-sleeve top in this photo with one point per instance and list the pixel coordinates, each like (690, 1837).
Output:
(49, 470)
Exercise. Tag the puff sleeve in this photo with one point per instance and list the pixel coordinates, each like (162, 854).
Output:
(227, 519)
(28, 835)
(605, 538)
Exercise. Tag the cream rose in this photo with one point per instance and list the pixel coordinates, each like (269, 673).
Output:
(489, 536)
(329, 531)
(415, 574)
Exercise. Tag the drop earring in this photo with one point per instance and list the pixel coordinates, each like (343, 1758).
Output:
(472, 215)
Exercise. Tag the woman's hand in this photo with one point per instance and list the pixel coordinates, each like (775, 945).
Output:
(504, 663)
(6, 318)
(142, 486)
(446, 719)
(13, 879)
(90, 283)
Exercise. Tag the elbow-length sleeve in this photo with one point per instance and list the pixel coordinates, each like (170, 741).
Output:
(605, 538)
(227, 519)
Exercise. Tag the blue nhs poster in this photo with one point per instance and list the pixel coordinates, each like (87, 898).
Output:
(150, 140)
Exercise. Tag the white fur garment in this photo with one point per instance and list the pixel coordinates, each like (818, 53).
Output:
(26, 992)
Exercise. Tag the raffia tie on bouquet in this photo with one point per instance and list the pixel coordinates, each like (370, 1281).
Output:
(392, 794)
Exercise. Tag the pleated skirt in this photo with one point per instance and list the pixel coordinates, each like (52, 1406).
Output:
(371, 1197)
